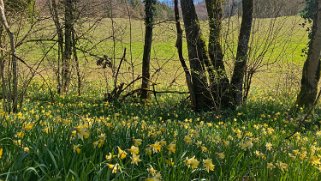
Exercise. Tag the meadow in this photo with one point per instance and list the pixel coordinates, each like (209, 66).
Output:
(84, 138)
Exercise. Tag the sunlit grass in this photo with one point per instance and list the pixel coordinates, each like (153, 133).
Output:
(84, 138)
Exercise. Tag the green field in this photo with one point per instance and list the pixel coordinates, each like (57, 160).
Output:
(84, 138)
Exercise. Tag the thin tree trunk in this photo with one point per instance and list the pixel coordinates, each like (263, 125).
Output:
(74, 48)
(149, 20)
(5, 94)
(220, 83)
(55, 17)
(179, 46)
(197, 55)
(311, 69)
(242, 53)
(14, 63)
(66, 71)
(132, 66)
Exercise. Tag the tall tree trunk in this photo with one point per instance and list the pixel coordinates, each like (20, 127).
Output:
(55, 17)
(149, 21)
(14, 63)
(74, 49)
(220, 83)
(242, 53)
(5, 94)
(179, 46)
(66, 71)
(197, 55)
(311, 69)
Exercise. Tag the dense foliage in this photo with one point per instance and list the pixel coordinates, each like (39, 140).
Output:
(81, 138)
(309, 10)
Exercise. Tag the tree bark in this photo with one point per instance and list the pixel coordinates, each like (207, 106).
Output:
(220, 82)
(242, 53)
(311, 69)
(66, 71)
(197, 55)
(149, 21)
(78, 71)
(179, 46)
(55, 17)
(14, 69)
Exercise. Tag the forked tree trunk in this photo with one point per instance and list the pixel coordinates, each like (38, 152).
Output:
(219, 83)
(13, 81)
(242, 53)
(311, 69)
(66, 68)
(197, 55)
(149, 21)
(179, 46)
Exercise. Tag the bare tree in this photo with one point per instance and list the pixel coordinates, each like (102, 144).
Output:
(210, 82)
(10, 94)
(179, 46)
(242, 53)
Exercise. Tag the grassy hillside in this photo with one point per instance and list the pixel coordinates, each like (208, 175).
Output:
(276, 47)
(83, 138)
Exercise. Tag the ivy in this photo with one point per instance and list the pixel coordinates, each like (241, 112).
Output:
(150, 10)
(309, 10)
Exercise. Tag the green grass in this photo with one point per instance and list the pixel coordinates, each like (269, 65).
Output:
(285, 36)
(41, 142)
(68, 137)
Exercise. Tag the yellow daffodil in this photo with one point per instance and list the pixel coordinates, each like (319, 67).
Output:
(314, 160)
(20, 134)
(77, 148)
(156, 147)
(204, 149)
(157, 177)
(171, 148)
(268, 146)
(26, 149)
(1, 152)
(188, 140)
(28, 126)
(151, 170)
(99, 143)
(192, 162)
(246, 145)
(134, 150)
(135, 159)
(163, 142)
(282, 166)
(121, 153)
(114, 167)
(170, 162)
(109, 157)
(82, 132)
(137, 142)
(208, 165)
(220, 155)
(45, 130)
(270, 166)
